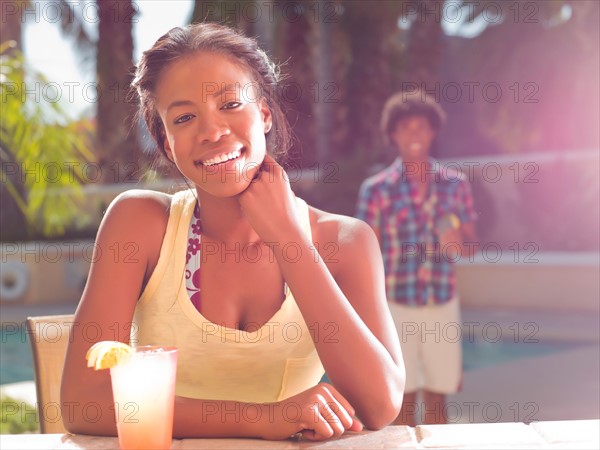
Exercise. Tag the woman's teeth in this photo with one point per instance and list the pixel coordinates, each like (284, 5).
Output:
(222, 158)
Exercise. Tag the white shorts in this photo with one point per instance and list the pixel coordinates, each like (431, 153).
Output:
(430, 338)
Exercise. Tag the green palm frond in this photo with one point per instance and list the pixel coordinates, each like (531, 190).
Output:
(36, 138)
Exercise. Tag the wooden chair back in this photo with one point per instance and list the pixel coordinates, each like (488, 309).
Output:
(49, 336)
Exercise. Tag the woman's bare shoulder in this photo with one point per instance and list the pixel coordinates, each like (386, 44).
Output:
(138, 216)
(153, 200)
(338, 228)
(342, 241)
(140, 205)
(137, 219)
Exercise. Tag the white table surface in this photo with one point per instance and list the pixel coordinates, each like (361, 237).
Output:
(558, 434)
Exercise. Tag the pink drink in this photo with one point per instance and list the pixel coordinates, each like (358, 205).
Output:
(144, 395)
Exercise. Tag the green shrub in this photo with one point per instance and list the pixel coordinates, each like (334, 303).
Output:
(17, 416)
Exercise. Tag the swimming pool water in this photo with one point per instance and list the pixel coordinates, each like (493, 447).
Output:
(16, 362)
(480, 353)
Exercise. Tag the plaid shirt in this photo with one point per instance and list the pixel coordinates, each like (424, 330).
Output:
(388, 202)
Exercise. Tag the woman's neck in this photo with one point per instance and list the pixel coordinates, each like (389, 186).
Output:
(223, 219)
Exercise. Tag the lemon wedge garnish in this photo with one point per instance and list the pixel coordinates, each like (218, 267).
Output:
(107, 354)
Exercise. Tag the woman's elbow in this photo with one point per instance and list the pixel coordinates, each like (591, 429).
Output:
(387, 408)
(79, 425)
(73, 425)
(71, 411)
(88, 418)
(386, 413)
(82, 413)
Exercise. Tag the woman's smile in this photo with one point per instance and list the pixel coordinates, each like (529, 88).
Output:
(221, 158)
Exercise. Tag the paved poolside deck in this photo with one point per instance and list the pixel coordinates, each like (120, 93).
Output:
(557, 386)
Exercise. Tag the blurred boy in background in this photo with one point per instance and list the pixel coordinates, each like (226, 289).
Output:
(422, 214)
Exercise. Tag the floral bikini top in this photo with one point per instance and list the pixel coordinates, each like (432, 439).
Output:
(193, 258)
(192, 263)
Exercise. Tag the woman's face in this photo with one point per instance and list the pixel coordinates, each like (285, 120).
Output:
(215, 122)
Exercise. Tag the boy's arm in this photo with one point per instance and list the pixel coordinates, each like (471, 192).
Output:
(458, 237)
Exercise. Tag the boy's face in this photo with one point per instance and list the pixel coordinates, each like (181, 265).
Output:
(413, 137)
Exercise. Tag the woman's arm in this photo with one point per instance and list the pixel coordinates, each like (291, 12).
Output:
(124, 248)
(362, 355)
(349, 320)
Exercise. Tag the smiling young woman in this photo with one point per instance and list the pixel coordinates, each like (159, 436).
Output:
(256, 324)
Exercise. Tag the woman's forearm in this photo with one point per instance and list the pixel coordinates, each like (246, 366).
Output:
(354, 359)
(88, 408)
(93, 412)
(195, 418)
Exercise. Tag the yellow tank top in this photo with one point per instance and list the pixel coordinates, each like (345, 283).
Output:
(272, 363)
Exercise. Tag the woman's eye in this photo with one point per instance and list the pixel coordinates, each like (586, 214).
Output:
(231, 105)
(183, 118)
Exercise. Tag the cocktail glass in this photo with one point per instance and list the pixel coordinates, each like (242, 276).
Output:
(144, 394)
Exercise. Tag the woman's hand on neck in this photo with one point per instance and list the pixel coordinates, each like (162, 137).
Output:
(270, 205)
